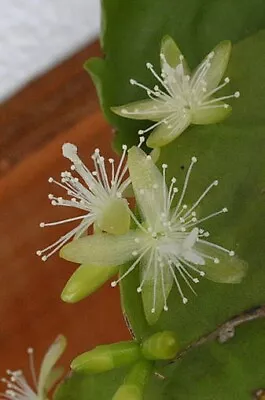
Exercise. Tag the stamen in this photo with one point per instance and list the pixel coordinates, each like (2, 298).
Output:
(193, 161)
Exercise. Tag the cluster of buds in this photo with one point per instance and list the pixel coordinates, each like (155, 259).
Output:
(139, 358)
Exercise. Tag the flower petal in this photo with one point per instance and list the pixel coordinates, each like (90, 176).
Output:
(51, 357)
(158, 286)
(171, 55)
(218, 64)
(101, 249)
(55, 375)
(166, 133)
(205, 116)
(115, 218)
(229, 269)
(143, 109)
(85, 281)
(147, 184)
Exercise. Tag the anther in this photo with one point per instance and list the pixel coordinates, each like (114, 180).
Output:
(185, 300)
(113, 284)
(139, 289)
(237, 95)
(231, 253)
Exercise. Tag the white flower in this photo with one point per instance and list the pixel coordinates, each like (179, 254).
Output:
(98, 196)
(169, 243)
(17, 385)
(181, 98)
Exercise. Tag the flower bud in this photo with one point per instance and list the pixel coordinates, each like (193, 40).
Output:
(107, 357)
(86, 280)
(135, 381)
(160, 346)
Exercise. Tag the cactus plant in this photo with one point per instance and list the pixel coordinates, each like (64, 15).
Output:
(220, 340)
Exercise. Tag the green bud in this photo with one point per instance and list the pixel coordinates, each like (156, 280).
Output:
(160, 346)
(107, 357)
(86, 280)
(135, 381)
(116, 217)
(128, 392)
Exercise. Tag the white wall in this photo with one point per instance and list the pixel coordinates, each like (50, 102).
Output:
(36, 34)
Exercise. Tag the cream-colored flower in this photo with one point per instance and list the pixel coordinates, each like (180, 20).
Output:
(17, 385)
(169, 245)
(99, 196)
(181, 98)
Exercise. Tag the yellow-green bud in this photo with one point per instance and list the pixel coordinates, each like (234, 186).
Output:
(128, 392)
(86, 280)
(160, 346)
(107, 357)
(135, 381)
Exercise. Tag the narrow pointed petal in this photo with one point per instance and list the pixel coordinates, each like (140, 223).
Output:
(166, 133)
(172, 54)
(147, 184)
(55, 375)
(221, 54)
(158, 287)
(228, 269)
(85, 281)
(101, 249)
(143, 109)
(205, 116)
(115, 218)
(51, 357)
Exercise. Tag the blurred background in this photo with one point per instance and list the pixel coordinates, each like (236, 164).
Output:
(46, 99)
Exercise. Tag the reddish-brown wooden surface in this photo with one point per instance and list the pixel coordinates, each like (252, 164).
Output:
(31, 312)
